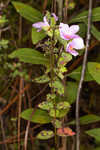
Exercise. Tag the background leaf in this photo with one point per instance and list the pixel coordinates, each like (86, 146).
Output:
(94, 133)
(94, 70)
(39, 116)
(83, 30)
(27, 12)
(98, 148)
(71, 94)
(95, 32)
(76, 74)
(87, 119)
(29, 55)
(84, 15)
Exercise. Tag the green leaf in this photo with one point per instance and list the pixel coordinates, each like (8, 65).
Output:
(29, 55)
(46, 105)
(42, 79)
(76, 74)
(95, 32)
(58, 113)
(4, 44)
(94, 133)
(56, 123)
(83, 30)
(94, 70)
(67, 57)
(64, 59)
(39, 116)
(45, 135)
(27, 12)
(98, 148)
(63, 105)
(87, 119)
(71, 94)
(37, 36)
(3, 19)
(58, 86)
(84, 16)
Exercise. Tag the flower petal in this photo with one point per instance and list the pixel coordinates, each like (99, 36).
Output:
(64, 28)
(54, 15)
(64, 31)
(70, 49)
(73, 29)
(73, 52)
(77, 43)
(45, 21)
(38, 25)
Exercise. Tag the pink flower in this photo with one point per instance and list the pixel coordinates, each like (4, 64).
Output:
(55, 17)
(40, 25)
(68, 33)
(76, 43)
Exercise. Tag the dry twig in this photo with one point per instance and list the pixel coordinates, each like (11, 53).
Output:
(19, 111)
(82, 78)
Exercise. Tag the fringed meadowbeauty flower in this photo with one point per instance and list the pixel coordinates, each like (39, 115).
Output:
(76, 43)
(40, 25)
(68, 33)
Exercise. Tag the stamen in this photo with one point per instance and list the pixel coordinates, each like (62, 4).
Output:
(67, 36)
(70, 47)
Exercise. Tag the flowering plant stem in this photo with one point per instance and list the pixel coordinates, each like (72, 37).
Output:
(52, 80)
